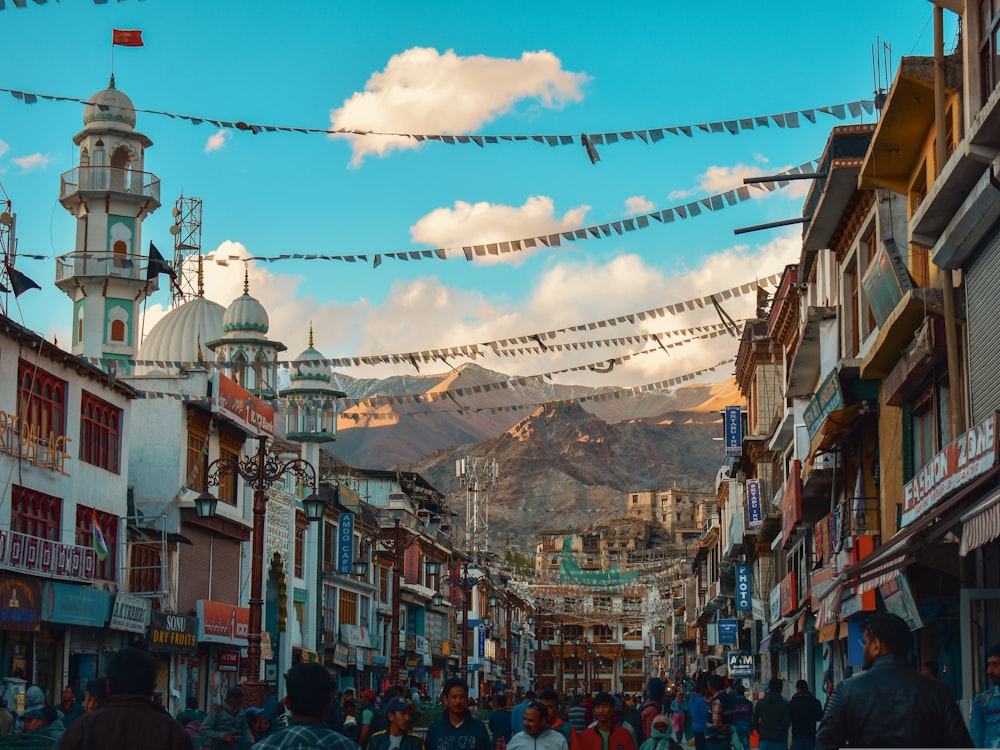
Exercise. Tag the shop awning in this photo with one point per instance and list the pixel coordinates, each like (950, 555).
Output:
(837, 425)
(981, 524)
(900, 550)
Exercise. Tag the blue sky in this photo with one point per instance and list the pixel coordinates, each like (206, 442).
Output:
(451, 68)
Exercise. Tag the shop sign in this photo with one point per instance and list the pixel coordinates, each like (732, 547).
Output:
(898, 600)
(791, 503)
(130, 613)
(734, 431)
(757, 609)
(743, 588)
(29, 554)
(755, 509)
(886, 281)
(789, 602)
(227, 661)
(828, 398)
(420, 644)
(20, 603)
(345, 543)
(355, 636)
(727, 633)
(740, 665)
(24, 441)
(481, 641)
(172, 633)
(222, 623)
(775, 603)
(266, 649)
(964, 459)
(243, 407)
(74, 605)
(340, 655)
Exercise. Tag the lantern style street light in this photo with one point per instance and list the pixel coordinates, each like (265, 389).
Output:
(259, 471)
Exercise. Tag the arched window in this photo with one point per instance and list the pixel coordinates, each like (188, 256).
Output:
(240, 369)
(99, 438)
(118, 330)
(120, 159)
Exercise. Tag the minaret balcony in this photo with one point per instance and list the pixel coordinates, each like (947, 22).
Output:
(81, 183)
(89, 264)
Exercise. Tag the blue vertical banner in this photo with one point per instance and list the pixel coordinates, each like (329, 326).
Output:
(755, 510)
(734, 431)
(481, 646)
(743, 602)
(345, 544)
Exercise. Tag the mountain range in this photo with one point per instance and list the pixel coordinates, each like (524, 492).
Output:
(561, 462)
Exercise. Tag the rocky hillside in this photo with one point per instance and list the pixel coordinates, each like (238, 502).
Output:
(560, 463)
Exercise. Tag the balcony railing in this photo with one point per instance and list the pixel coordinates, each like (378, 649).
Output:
(103, 263)
(43, 557)
(109, 179)
(860, 515)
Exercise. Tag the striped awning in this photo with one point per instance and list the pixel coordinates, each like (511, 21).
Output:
(874, 577)
(980, 525)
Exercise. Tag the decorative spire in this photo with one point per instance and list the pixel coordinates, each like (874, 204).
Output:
(246, 277)
(310, 334)
(201, 277)
(111, 83)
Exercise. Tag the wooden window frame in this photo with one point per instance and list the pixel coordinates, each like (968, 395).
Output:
(100, 433)
(35, 513)
(41, 401)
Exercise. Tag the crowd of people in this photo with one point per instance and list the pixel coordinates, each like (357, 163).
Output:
(888, 704)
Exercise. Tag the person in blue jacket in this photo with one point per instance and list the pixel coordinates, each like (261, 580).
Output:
(456, 729)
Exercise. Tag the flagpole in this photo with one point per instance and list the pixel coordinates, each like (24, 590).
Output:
(112, 53)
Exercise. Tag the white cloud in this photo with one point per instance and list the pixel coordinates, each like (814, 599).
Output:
(638, 205)
(481, 223)
(33, 162)
(424, 313)
(424, 91)
(4, 147)
(719, 179)
(217, 141)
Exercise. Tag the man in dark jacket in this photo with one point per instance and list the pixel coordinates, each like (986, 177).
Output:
(805, 710)
(771, 718)
(890, 704)
(499, 722)
(457, 730)
(129, 719)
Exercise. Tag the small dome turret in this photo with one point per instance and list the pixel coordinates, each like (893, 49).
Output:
(110, 108)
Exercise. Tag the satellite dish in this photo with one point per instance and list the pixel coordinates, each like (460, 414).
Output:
(5, 219)
(176, 212)
(175, 230)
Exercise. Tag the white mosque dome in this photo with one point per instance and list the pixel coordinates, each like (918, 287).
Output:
(183, 333)
(110, 108)
(245, 314)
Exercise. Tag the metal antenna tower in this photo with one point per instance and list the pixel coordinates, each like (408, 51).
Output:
(187, 241)
(478, 476)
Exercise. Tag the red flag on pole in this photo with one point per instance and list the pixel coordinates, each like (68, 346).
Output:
(126, 37)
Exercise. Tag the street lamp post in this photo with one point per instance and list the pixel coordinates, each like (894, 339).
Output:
(259, 471)
(394, 537)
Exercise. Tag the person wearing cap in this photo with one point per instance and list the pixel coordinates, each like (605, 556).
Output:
(890, 704)
(457, 729)
(128, 718)
(310, 689)
(226, 726)
(606, 734)
(538, 733)
(397, 736)
(32, 721)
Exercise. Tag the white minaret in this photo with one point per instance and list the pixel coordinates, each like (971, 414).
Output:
(110, 194)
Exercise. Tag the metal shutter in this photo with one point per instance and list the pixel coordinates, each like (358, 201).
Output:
(982, 280)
